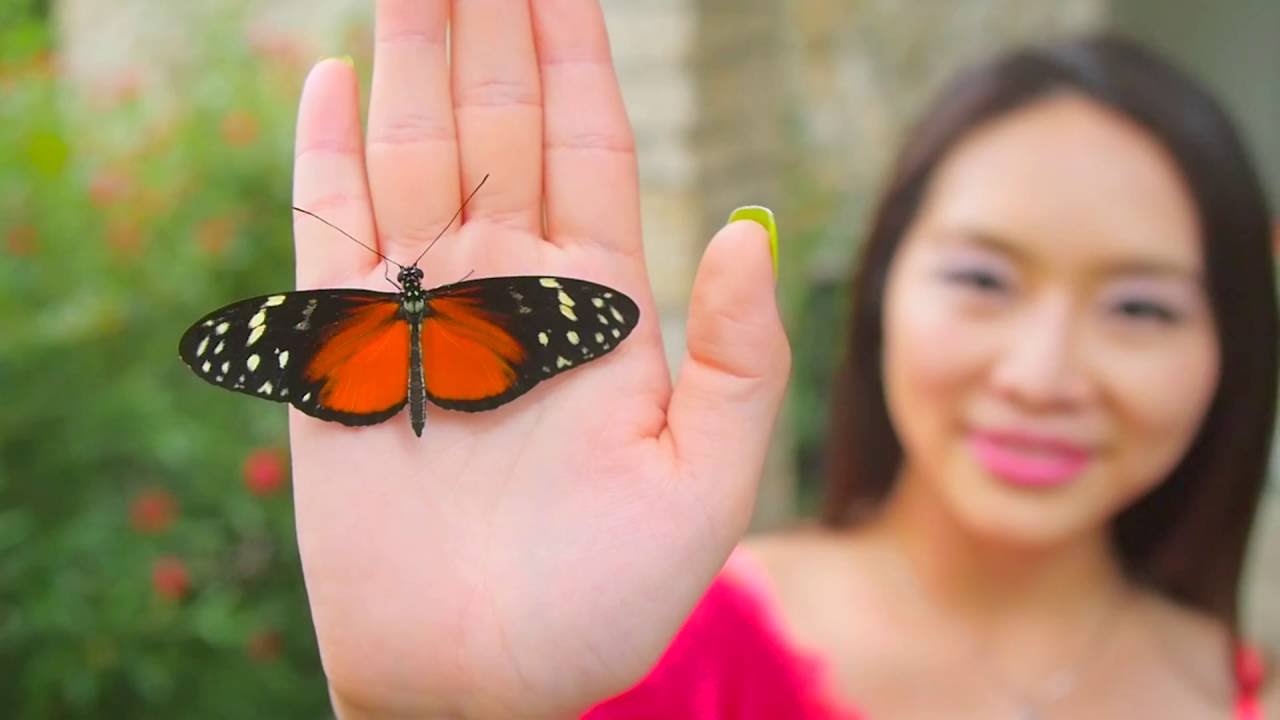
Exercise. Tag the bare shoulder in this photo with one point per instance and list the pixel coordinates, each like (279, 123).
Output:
(801, 559)
(818, 578)
(1193, 647)
(780, 552)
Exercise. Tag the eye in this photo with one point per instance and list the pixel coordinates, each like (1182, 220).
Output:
(1142, 309)
(979, 279)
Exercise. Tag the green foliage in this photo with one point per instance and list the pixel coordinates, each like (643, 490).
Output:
(148, 566)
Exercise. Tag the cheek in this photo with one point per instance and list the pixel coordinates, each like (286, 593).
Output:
(1159, 398)
(932, 360)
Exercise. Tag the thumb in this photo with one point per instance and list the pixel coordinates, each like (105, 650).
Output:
(735, 368)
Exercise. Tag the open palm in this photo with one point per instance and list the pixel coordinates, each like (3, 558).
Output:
(527, 561)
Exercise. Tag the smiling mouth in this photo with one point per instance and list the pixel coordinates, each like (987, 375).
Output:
(1029, 461)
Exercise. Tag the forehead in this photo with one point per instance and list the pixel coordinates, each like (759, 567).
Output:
(1069, 177)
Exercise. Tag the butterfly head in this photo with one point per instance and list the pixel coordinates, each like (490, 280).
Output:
(410, 277)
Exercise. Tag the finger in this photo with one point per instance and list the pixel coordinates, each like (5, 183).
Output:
(412, 149)
(734, 372)
(592, 193)
(329, 179)
(498, 109)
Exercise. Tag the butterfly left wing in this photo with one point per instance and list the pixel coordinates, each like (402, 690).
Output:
(339, 355)
(487, 341)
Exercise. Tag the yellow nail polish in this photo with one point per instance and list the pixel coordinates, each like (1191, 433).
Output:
(762, 216)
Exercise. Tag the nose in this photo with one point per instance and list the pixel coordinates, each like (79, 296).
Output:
(1040, 366)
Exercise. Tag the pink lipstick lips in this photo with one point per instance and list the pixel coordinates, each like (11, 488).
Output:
(1029, 460)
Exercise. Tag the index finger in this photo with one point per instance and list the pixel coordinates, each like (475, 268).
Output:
(591, 188)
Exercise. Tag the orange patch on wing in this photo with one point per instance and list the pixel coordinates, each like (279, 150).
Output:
(466, 353)
(363, 364)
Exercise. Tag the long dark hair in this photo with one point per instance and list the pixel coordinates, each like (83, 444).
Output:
(1187, 538)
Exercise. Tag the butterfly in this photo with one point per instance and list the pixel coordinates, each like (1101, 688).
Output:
(357, 357)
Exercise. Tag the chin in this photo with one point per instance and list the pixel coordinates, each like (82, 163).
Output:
(997, 514)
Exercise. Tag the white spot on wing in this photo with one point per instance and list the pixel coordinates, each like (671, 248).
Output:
(542, 338)
(257, 333)
(201, 347)
(306, 397)
(565, 299)
(562, 363)
(573, 337)
(548, 282)
(599, 337)
(616, 315)
(206, 366)
(226, 366)
(603, 320)
(252, 362)
(597, 302)
(266, 388)
(617, 333)
(258, 318)
(567, 311)
(222, 328)
(284, 359)
(218, 348)
(273, 301)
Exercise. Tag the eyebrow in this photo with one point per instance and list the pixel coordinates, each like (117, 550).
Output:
(1130, 266)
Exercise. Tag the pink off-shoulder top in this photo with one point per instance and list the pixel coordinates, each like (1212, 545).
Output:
(732, 661)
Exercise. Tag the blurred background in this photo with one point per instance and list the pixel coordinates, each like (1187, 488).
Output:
(148, 567)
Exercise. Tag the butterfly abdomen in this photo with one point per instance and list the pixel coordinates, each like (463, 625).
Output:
(412, 307)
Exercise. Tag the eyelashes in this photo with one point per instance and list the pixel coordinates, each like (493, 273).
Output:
(979, 279)
(1146, 310)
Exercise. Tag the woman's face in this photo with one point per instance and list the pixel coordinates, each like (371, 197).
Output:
(1049, 347)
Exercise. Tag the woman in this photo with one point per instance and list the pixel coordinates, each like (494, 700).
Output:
(1052, 431)
(1057, 346)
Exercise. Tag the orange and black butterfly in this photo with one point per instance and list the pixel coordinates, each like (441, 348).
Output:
(357, 357)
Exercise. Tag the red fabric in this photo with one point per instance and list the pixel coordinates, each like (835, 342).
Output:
(732, 661)
(1249, 675)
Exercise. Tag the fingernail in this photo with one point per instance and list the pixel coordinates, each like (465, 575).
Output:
(340, 58)
(762, 216)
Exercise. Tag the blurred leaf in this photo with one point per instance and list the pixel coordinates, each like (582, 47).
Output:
(47, 152)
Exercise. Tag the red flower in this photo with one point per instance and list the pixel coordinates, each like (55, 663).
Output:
(264, 471)
(170, 578)
(239, 128)
(264, 645)
(109, 186)
(153, 511)
(21, 241)
(125, 237)
(215, 234)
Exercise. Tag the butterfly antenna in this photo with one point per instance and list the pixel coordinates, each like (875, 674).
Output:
(455, 217)
(344, 232)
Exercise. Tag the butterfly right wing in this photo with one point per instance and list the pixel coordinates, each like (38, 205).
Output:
(340, 355)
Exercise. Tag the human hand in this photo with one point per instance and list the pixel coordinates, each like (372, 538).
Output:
(528, 561)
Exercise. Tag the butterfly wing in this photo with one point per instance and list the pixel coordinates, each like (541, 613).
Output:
(485, 342)
(338, 355)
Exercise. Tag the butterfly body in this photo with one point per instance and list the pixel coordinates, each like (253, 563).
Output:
(358, 357)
